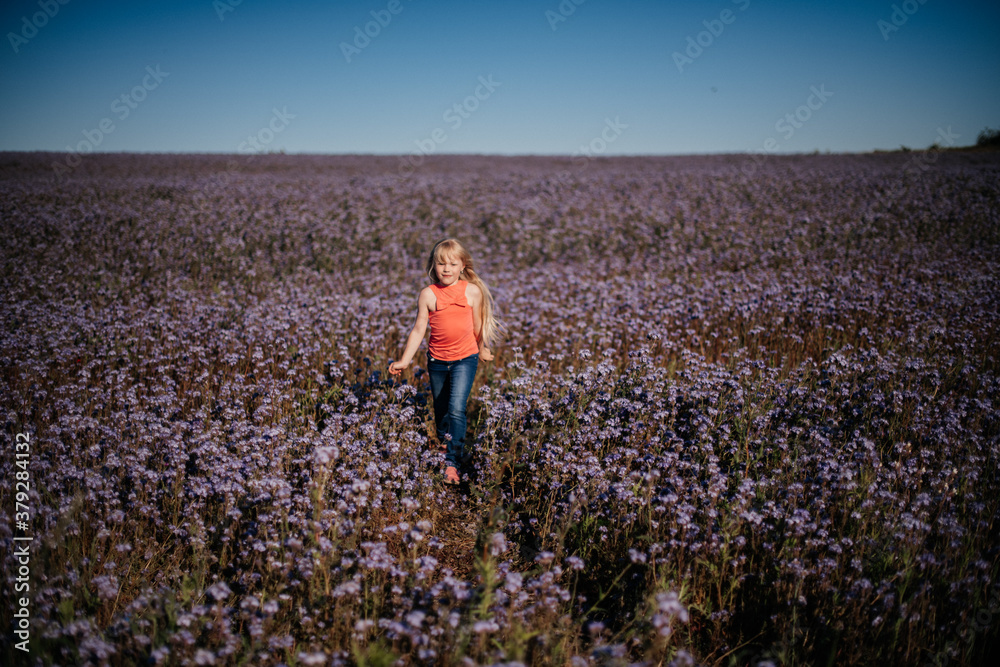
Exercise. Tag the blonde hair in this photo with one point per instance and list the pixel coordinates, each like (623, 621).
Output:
(493, 328)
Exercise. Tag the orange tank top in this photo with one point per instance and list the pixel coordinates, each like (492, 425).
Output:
(452, 334)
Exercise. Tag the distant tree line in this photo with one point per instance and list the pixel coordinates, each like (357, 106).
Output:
(988, 138)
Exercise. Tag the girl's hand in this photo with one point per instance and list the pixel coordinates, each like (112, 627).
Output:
(485, 354)
(397, 367)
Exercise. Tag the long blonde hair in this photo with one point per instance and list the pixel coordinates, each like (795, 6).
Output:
(493, 328)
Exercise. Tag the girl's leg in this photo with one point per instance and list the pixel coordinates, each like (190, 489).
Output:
(440, 390)
(463, 372)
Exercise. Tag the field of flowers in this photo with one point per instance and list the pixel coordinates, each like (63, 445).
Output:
(746, 411)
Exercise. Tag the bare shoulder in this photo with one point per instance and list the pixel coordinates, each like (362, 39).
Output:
(427, 298)
(473, 292)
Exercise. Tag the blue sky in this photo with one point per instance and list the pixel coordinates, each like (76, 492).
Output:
(628, 77)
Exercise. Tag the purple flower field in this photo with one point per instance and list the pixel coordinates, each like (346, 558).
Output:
(746, 411)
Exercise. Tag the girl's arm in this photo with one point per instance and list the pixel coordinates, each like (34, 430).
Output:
(424, 303)
(475, 297)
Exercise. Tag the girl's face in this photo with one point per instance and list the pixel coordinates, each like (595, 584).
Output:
(448, 270)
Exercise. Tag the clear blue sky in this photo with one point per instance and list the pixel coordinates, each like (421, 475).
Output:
(277, 72)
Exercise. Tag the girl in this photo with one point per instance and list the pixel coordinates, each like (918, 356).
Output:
(459, 308)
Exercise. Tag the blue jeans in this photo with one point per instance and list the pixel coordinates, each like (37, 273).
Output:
(451, 383)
